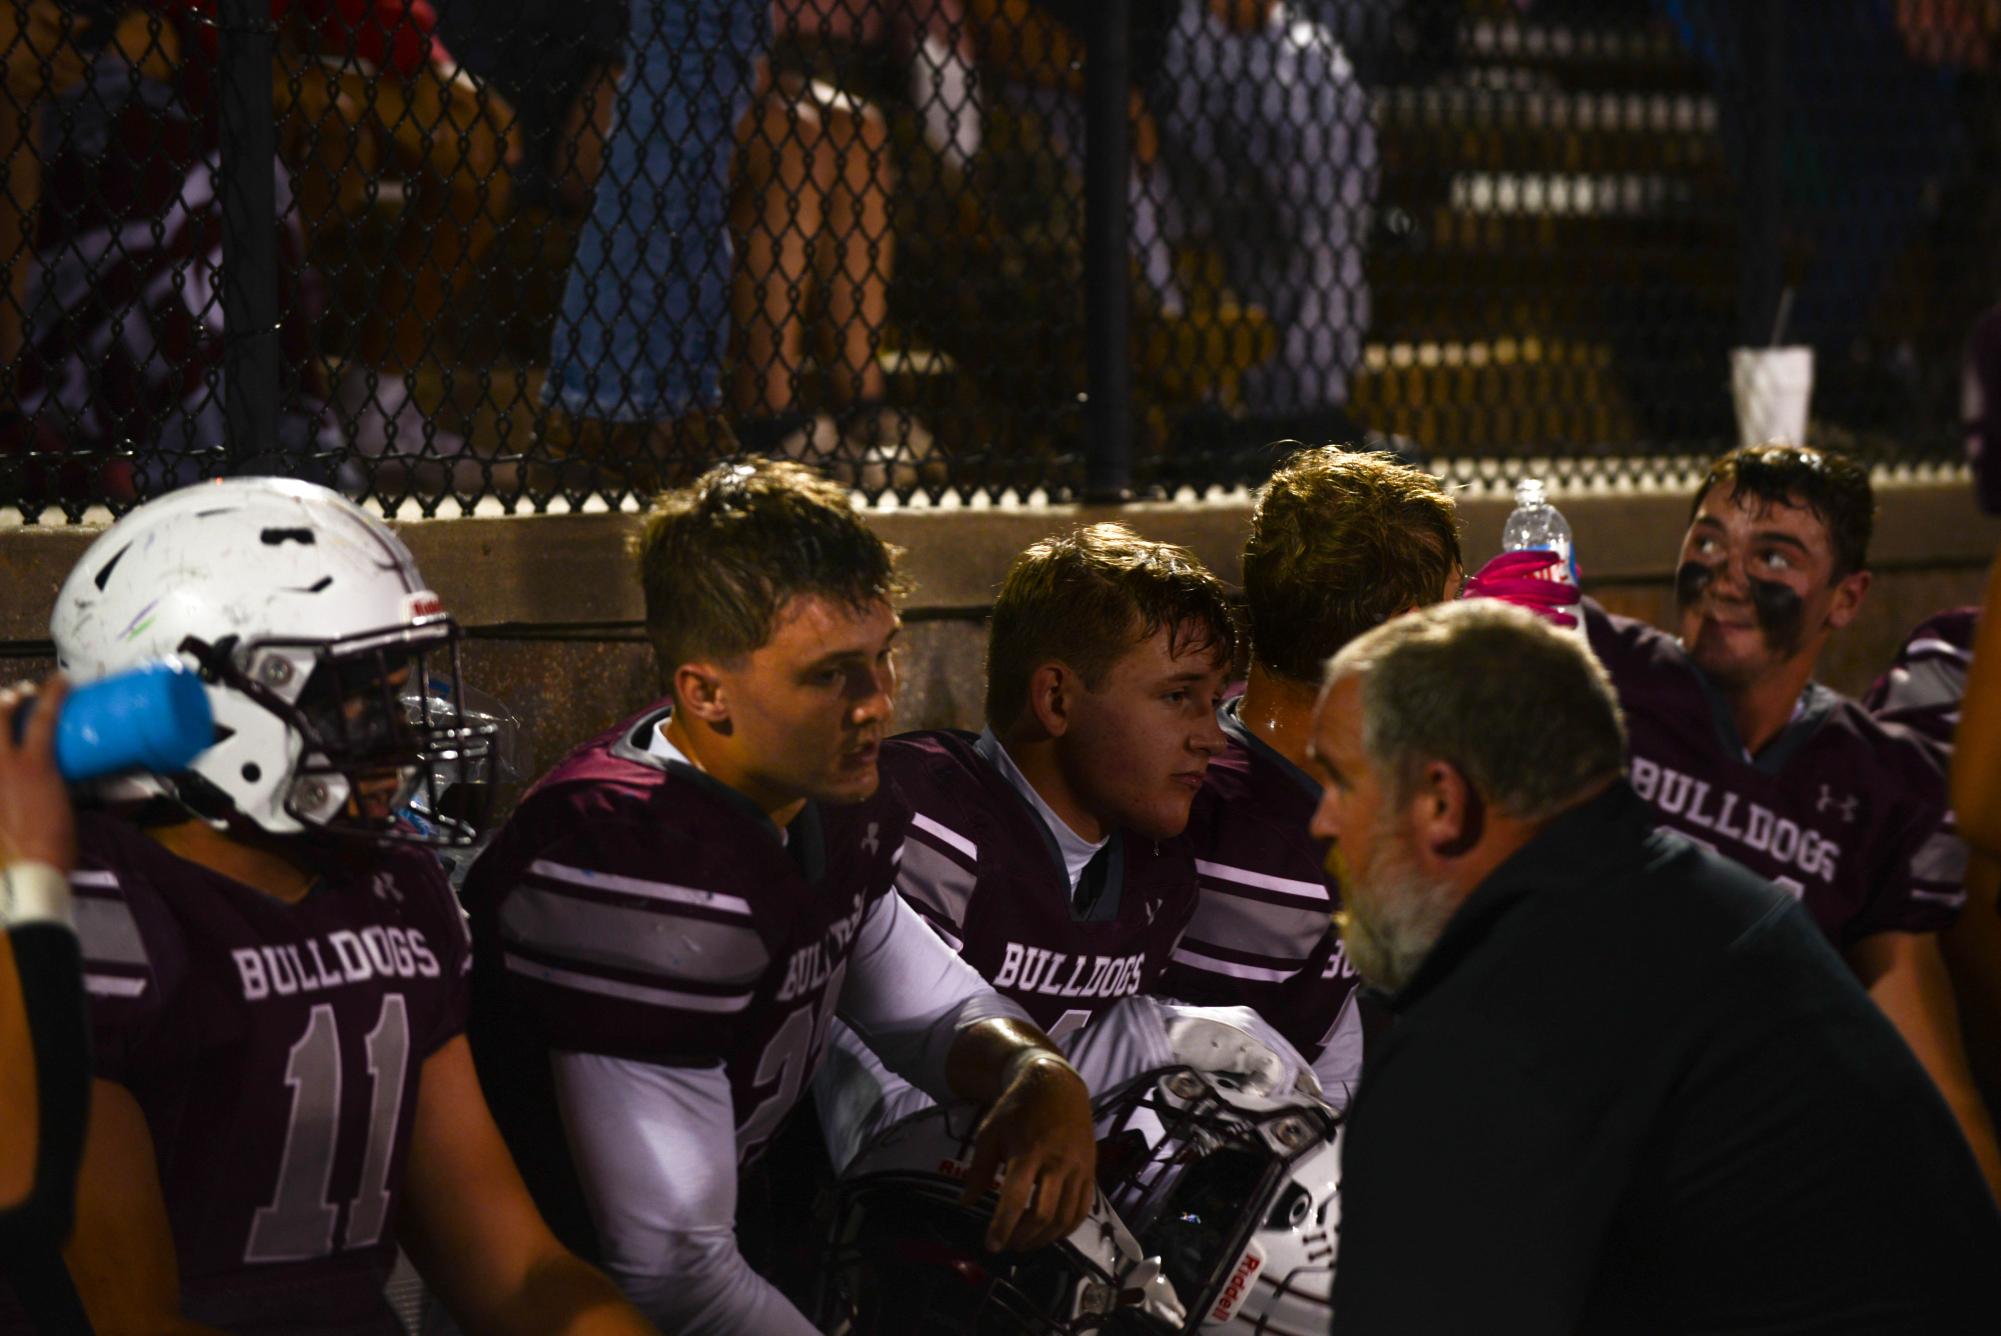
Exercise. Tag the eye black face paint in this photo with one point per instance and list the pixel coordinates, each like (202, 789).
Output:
(1691, 580)
(1781, 615)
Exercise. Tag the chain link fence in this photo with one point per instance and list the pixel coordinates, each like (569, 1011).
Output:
(523, 254)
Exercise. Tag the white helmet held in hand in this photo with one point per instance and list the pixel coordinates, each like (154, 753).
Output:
(1235, 1188)
(332, 670)
(908, 1258)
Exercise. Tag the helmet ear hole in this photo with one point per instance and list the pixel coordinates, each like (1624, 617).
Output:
(252, 772)
(1291, 1208)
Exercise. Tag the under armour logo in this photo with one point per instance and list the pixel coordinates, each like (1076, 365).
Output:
(1152, 908)
(1846, 805)
(385, 888)
(869, 842)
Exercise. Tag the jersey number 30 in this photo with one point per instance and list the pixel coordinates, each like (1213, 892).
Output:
(299, 1222)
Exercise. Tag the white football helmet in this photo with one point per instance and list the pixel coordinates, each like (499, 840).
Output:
(332, 670)
(1234, 1185)
(907, 1259)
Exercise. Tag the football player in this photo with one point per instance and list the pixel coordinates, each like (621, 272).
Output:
(1044, 848)
(1339, 543)
(1736, 745)
(283, 1089)
(672, 918)
(1923, 691)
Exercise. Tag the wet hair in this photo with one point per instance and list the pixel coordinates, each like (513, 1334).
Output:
(1830, 485)
(1089, 596)
(1341, 543)
(719, 558)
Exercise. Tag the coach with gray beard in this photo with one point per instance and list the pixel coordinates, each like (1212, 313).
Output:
(1629, 1087)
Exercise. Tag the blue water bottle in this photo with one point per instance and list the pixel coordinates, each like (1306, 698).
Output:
(153, 718)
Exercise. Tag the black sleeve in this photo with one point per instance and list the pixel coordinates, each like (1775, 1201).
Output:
(50, 976)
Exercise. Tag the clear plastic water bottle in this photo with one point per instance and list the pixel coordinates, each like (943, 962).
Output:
(1537, 525)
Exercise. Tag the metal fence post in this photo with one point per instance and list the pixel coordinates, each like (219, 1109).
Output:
(248, 148)
(1763, 273)
(1108, 463)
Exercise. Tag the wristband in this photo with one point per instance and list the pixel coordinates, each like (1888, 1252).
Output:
(34, 893)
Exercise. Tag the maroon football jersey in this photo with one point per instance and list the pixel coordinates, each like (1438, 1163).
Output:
(1925, 685)
(1843, 811)
(634, 907)
(983, 869)
(276, 1051)
(1262, 935)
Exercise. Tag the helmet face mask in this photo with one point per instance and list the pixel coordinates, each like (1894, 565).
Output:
(1234, 1190)
(377, 727)
(332, 672)
(907, 1258)
(910, 1260)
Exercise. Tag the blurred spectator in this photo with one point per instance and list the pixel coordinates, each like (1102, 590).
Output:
(1392, 41)
(636, 361)
(45, 44)
(811, 216)
(121, 337)
(557, 62)
(1270, 148)
(1253, 140)
(425, 134)
(119, 342)
(1869, 134)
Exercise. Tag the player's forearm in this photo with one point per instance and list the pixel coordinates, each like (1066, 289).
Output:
(987, 1057)
(911, 997)
(703, 1287)
(562, 1294)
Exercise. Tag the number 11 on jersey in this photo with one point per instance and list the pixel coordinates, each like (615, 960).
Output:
(299, 1222)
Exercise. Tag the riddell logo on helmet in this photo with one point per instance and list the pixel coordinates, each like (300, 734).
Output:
(423, 603)
(1232, 1297)
(953, 1169)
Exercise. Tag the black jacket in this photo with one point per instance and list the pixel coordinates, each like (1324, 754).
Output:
(1632, 1089)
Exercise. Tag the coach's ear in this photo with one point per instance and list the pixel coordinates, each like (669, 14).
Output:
(1052, 696)
(699, 694)
(1447, 814)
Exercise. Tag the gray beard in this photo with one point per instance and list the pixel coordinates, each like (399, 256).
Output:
(1394, 915)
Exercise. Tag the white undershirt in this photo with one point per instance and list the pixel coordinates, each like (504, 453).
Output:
(1076, 850)
(659, 745)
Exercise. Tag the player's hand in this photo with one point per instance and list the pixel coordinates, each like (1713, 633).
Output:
(1513, 577)
(1040, 1130)
(35, 820)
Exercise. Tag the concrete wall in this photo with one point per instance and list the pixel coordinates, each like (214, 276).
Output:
(554, 610)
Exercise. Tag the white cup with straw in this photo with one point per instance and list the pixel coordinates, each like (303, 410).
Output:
(1772, 387)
